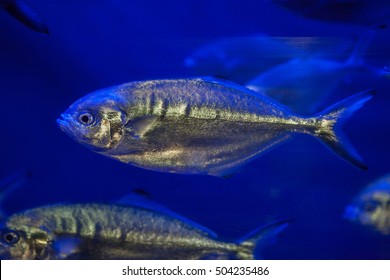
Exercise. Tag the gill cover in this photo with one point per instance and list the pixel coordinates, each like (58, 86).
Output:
(116, 121)
(41, 239)
(105, 134)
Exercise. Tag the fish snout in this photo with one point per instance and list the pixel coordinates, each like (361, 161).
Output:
(63, 123)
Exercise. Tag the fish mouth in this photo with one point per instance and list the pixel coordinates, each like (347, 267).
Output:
(63, 123)
(66, 124)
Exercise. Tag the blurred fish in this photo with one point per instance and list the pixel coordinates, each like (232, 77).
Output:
(363, 12)
(303, 84)
(242, 58)
(10, 184)
(197, 125)
(371, 207)
(109, 231)
(23, 13)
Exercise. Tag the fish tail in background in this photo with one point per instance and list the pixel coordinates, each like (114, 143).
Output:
(361, 48)
(330, 122)
(23, 13)
(259, 238)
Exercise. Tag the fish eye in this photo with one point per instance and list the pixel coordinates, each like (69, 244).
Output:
(11, 237)
(86, 118)
(371, 206)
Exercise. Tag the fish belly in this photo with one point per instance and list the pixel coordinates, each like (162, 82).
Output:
(198, 146)
(95, 249)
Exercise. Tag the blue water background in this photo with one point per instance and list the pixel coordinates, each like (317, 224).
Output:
(98, 43)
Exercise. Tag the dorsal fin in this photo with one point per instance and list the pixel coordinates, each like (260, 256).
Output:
(142, 199)
(222, 81)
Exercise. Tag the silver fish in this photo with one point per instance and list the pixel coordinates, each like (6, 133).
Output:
(108, 231)
(371, 207)
(24, 14)
(197, 125)
(362, 12)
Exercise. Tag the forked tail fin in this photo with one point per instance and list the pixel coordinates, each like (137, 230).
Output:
(330, 122)
(259, 238)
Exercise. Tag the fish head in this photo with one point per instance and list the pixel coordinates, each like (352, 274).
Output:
(14, 245)
(372, 207)
(96, 121)
(24, 244)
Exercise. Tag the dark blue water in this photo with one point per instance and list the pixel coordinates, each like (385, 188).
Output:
(95, 44)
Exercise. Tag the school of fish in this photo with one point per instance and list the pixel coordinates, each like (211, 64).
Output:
(205, 125)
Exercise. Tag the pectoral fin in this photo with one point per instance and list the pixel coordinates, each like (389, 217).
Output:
(140, 126)
(66, 246)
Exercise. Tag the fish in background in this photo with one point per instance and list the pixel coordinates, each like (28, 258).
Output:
(371, 207)
(9, 185)
(362, 12)
(24, 14)
(242, 58)
(120, 231)
(302, 84)
(197, 125)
